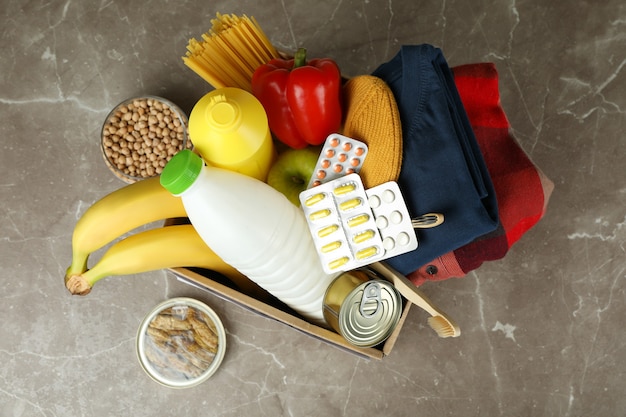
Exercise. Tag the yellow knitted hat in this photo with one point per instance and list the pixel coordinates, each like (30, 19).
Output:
(372, 117)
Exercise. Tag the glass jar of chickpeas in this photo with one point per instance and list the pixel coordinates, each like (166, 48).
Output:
(140, 135)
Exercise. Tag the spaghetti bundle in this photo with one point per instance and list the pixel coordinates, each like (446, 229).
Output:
(230, 52)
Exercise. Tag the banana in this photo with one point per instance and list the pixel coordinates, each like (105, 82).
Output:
(117, 213)
(159, 248)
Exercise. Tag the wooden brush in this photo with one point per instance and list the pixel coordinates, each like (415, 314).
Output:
(438, 321)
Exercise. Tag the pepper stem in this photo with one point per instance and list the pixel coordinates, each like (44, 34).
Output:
(299, 59)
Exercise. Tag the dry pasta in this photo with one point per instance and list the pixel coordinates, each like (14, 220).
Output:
(230, 51)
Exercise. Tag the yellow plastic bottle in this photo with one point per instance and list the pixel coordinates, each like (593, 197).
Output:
(229, 129)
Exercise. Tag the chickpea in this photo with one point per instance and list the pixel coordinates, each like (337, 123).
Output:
(141, 136)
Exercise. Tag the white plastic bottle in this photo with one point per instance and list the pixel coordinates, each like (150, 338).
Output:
(254, 228)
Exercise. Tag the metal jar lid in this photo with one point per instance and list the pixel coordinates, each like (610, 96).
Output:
(370, 313)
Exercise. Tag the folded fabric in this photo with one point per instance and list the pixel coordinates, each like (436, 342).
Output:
(442, 167)
(522, 190)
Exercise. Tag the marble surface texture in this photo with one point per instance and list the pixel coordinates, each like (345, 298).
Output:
(541, 333)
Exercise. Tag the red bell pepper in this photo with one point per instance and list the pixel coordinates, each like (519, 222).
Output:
(302, 99)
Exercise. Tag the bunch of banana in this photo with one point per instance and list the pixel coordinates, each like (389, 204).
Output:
(120, 212)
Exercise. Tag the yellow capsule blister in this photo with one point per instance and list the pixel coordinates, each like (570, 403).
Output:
(350, 204)
(364, 236)
(337, 263)
(329, 247)
(314, 199)
(328, 230)
(342, 224)
(345, 189)
(320, 214)
(367, 252)
(358, 220)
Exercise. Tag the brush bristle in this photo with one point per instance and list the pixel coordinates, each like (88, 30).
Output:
(443, 327)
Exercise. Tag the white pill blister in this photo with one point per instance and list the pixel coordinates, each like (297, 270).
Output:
(392, 219)
(340, 156)
(353, 227)
(342, 224)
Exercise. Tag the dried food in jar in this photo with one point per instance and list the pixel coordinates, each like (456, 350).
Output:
(140, 135)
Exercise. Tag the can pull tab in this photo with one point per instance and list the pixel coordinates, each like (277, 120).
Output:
(371, 301)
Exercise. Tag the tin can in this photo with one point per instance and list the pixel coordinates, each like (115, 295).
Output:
(362, 308)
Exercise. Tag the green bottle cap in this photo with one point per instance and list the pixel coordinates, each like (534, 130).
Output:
(181, 171)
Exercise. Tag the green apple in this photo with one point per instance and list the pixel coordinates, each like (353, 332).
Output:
(291, 172)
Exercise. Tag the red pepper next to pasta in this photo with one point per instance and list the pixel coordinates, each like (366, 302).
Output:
(302, 99)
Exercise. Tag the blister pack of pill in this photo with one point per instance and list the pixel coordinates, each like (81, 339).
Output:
(345, 228)
(342, 224)
(340, 156)
(392, 219)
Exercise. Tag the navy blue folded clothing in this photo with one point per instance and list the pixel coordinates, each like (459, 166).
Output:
(443, 169)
